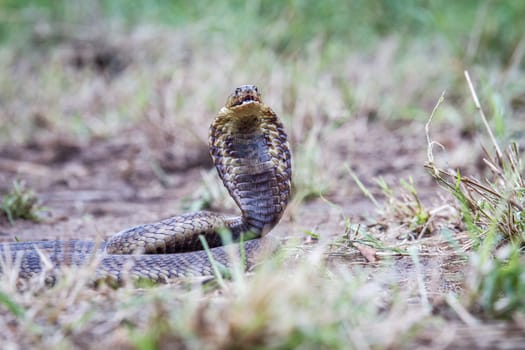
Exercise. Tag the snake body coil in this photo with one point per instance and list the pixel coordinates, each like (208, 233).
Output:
(250, 151)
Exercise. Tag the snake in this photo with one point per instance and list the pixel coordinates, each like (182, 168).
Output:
(249, 148)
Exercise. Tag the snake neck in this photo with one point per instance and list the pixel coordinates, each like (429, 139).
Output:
(250, 151)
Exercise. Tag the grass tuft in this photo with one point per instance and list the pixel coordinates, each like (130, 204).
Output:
(493, 213)
(497, 286)
(496, 204)
(405, 207)
(21, 203)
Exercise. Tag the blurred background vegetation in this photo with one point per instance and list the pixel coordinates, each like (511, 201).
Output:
(84, 70)
(386, 59)
(288, 26)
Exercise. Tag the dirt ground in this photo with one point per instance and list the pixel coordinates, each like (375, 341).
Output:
(91, 190)
(99, 187)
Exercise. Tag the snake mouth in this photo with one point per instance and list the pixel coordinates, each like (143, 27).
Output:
(245, 94)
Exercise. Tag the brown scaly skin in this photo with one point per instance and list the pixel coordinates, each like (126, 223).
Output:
(250, 150)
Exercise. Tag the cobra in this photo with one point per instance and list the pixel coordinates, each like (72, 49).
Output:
(250, 151)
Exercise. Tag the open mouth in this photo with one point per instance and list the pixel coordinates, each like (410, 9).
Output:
(248, 98)
(245, 94)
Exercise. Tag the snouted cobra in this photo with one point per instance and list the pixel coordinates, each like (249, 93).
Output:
(250, 151)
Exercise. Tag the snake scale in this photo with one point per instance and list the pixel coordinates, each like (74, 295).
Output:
(250, 151)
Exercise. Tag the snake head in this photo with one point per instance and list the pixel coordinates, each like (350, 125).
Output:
(243, 95)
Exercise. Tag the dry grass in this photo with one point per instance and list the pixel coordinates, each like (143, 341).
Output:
(308, 305)
(494, 204)
(169, 83)
(492, 210)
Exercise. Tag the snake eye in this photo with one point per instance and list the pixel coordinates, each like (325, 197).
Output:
(237, 91)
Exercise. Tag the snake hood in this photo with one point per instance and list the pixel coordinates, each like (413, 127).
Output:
(250, 150)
